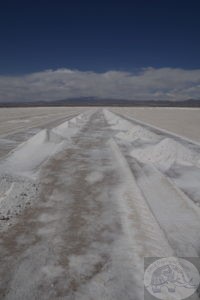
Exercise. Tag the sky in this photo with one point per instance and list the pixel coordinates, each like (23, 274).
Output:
(145, 49)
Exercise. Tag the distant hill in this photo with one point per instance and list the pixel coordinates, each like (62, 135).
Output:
(90, 101)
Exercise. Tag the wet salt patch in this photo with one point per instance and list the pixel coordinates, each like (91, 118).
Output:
(94, 177)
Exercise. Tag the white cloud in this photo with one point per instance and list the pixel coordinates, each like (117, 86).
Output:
(149, 83)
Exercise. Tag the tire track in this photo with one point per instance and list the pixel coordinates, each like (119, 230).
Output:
(142, 226)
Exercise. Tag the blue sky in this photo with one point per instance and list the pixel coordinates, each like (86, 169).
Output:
(127, 37)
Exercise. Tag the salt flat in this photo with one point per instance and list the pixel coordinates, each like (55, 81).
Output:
(87, 196)
(182, 121)
(15, 119)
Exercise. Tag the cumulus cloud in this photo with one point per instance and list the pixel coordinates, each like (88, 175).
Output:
(147, 84)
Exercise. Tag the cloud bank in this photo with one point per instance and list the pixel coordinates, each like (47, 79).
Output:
(146, 84)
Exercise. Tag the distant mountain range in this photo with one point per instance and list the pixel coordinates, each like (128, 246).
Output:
(90, 101)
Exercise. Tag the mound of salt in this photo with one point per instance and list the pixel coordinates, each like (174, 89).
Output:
(137, 132)
(33, 152)
(166, 153)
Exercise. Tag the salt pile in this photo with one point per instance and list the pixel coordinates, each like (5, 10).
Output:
(128, 131)
(137, 132)
(116, 122)
(29, 155)
(165, 153)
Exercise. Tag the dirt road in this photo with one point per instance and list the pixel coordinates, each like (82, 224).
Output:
(97, 216)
